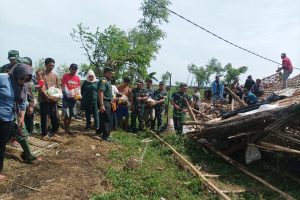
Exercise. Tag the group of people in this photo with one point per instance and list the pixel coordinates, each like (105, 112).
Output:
(110, 105)
(252, 90)
(249, 92)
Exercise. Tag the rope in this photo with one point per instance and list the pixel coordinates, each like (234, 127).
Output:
(215, 35)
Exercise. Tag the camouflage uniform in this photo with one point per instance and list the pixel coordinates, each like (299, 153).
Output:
(178, 115)
(149, 112)
(159, 108)
(106, 117)
(139, 107)
(7, 67)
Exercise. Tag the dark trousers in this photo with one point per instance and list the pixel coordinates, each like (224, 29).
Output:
(105, 120)
(5, 131)
(137, 114)
(48, 109)
(95, 114)
(158, 117)
(28, 119)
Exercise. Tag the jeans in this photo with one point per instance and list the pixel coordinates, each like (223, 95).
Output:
(285, 77)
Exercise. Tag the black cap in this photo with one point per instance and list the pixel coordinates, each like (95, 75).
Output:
(74, 66)
(161, 83)
(183, 85)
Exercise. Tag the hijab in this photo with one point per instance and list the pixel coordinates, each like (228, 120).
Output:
(18, 72)
(91, 73)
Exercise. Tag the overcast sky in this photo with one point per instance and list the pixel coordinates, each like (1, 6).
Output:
(40, 29)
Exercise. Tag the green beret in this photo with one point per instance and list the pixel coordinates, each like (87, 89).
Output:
(13, 54)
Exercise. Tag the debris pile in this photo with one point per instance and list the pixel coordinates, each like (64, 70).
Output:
(271, 127)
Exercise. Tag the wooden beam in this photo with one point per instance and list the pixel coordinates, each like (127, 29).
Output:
(243, 169)
(201, 113)
(193, 169)
(235, 97)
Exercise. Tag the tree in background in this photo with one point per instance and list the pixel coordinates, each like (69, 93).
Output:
(128, 53)
(231, 73)
(61, 70)
(39, 64)
(203, 73)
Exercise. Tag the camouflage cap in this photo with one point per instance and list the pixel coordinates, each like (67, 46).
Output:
(24, 60)
(161, 83)
(183, 85)
(139, 81)
(28, 60)
(13, 54)
(108, 69)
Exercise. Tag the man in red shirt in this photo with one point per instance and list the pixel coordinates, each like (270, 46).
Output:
(71, 93)
(287, 69)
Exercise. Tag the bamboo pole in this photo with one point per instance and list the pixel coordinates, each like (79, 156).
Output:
(201, 113)
(279, 148)
(236, 97)
(243, 169)
(194, 169)
(190, 110)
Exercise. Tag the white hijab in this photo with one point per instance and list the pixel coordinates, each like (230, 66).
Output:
(91, 73)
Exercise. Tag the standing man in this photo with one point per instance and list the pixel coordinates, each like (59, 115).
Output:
(71, 87)
(178, 100)
(287, 69)
(217, 89)
(196, 99)
(122, 110)
(249, 83)
(138, 101)
(105, 100)
(13, 56)
(160, 97)
(48, 105)
(149, 112)
(235, 87)
(29, 114)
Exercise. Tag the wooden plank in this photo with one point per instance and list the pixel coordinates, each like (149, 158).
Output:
(243, 169)
(194, 169)
(235, 97)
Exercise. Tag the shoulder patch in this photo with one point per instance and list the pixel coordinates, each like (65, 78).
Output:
(103, 81)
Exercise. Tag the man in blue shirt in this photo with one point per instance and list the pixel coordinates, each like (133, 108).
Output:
(217, 89)
(250, 98)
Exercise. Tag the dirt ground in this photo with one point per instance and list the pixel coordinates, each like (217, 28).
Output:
(71, 170)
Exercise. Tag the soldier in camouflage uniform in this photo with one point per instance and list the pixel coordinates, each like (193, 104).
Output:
(138, 98)
(13, 56)
(180, 106)
(160, 97)
(105, 101)
(149, 112)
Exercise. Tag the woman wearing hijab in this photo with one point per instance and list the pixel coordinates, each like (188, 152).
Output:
(13, 92)
(89, 102)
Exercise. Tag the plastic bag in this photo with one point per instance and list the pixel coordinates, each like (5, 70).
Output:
(54, 92)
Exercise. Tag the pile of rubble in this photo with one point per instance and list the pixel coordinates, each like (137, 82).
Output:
(272, 127)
